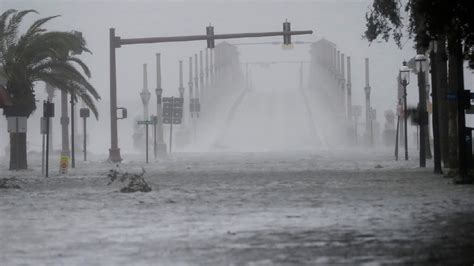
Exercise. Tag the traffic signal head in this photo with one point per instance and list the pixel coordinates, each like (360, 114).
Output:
(210, 39)
(286, 33)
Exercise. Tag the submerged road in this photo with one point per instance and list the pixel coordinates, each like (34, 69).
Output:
(320, 207)
(271, 119)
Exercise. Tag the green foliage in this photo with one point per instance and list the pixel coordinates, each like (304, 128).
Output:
(427, 20)
(41, 55)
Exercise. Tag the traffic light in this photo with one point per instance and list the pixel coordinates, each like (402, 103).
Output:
(210, 33)
(286, 31)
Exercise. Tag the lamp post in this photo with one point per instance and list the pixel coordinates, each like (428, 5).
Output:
(405, 80)
(422, 115)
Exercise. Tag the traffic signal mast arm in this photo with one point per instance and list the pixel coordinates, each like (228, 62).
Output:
(119, 41)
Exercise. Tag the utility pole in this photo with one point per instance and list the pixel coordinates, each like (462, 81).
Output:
(65, 153)
(161, 145)
(368, 120)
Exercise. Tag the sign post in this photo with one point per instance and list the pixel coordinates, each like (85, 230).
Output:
(84, 113)
(172, 113)
(48, 112)
(146, 123)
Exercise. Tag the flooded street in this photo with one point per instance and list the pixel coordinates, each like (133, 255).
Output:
(240, 208)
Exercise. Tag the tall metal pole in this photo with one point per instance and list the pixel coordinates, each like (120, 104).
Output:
(73, 137)
(181, 87)
(349, 87)
(368, 120)
(301, 75)
(201, 75)
(85, 138)
(161, 145)
(207, 68)
(211, 66)
(196, 77)
(50, 90)
(343, 83)
(190, 85)
(405, 117)
(422, 116)
(114, 151)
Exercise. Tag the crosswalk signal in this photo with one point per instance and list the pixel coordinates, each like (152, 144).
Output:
(210, 35)
(286, 33)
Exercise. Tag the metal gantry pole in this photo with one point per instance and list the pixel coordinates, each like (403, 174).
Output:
(207, 68)
(114, 151)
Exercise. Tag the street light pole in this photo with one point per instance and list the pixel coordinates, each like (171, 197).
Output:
(201, 75)
(405, 79)
(114, 151)
(422, 115)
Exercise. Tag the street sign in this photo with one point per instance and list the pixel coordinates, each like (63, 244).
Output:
(146, 122)
(356, 110)
(172, 110)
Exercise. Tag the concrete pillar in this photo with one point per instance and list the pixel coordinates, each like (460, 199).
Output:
(161, 145)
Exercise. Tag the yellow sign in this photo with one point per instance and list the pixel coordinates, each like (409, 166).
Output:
(63, 164)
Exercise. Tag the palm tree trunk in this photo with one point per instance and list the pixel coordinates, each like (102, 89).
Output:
(18, 160)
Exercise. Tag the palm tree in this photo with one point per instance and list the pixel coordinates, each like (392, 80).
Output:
(39, 55)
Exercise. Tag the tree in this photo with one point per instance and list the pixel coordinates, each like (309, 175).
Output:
(434, 20)
(39, 55)
(427, 20)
